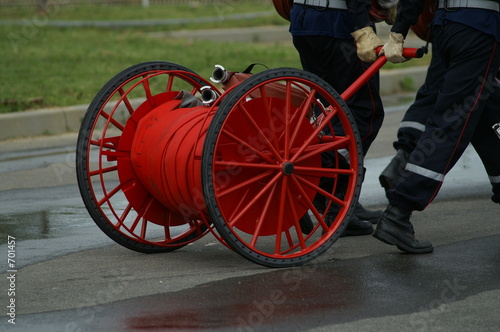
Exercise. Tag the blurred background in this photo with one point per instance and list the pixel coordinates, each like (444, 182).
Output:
(58, 53)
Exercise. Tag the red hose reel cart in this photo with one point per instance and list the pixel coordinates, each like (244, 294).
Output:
(165, 157)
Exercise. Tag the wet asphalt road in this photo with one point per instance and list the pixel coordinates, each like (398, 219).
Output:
(390, 292)
(71, 277)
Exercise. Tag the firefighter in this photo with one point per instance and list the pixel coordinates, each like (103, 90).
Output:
(466, 37)
(329, 36)
(413, 123)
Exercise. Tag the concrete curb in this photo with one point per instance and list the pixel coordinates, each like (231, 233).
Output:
(62, 120)
(41, 122)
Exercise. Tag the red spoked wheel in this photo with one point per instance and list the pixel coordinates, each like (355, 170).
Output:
(112, 192)
(281, 171)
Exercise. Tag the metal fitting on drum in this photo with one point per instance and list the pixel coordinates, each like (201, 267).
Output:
(208, 96)
(496, 128)
(219, 75)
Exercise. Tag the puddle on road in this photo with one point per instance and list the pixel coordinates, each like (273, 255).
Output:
(248, 303)
(44, 224)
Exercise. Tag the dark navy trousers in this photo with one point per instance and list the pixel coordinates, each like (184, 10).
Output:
(465, 109)
(336, 61)
(413, 123)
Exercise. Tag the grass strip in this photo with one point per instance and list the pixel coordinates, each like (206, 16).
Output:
(45, 66)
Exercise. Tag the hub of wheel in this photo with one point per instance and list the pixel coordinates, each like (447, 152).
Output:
(288, 168)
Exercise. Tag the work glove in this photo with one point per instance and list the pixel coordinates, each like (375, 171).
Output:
(392, 12)
(366, 42)
(387, 3)
(393, 50)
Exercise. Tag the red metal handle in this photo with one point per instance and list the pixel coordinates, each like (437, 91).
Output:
(374, 67)
(408, 52)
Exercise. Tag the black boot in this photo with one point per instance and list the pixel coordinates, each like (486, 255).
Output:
(357, 227)
(394, 227)
(495, 198)
(394, 170)
(306, 224)
(369, 215)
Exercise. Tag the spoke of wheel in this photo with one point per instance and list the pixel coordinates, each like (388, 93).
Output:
(322, 171)
(256, 198)
(140, 215)
(170, 83)
(293, 151)
(296, 220)
(228, 164)
(124, 216)
(144, 228)
(279, 224)
(306, 105)
(110, 194)
(314, 136)
(101, 171)
(107, 142)
(288, 104)
(238, 206)
(340, 143)
(134, 224)
(196, 225)
(320, 190)
(260, 133)
(113, 155)
(194, 90)
(289, 240)
(147, 90)
(126, 101)
(281, 137)
(248, 146)
(319, 217)
(262, 217)
(166, 228)
(110, 119)
(244, 184)
(309, 202)
(99, 143)
(267, 109)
